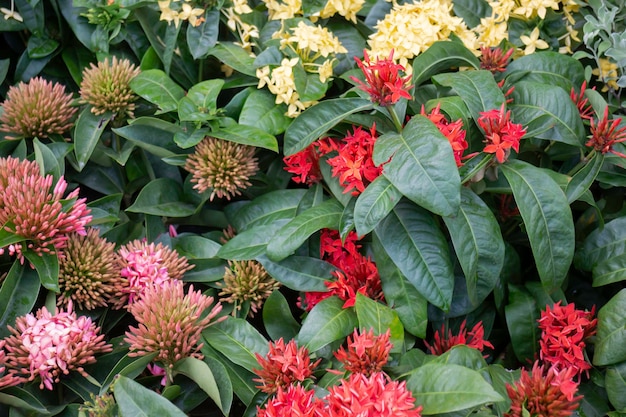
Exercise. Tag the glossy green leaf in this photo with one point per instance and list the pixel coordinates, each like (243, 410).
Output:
(610, 346)
(400, 294)
(300, 273)
(444, 388)
(500, 378)
(609, 271)
(200, 103)
(47, 160)
(417, 246)
(157, 88)
(423, 167)
(298, 230)
(8, 238)
(615, 381)
(195, 247)
(250, 243)
(247, 135)
(238, 340)
(378, 317)
(47, 266)
(278, 319)
(18, 294)
(261, 111)
(224, 384)
(478, 89)
(309, 86)
(240, 378)
(127, 366)
(22, 399)
(162, 197)
(583, 179)
(471, 11)
(89, 128)
(199, 372)
(602, 244)
(463, 355)
(203, 37)
(327, 322)
(439, 57)
(135, 400)
(312, 7)
(234, 56)
(374, 204)
(266, 209)
(315, 121)
(521, 319)
(549, 68)
(547, 217)
(478, 243)
(152, 134)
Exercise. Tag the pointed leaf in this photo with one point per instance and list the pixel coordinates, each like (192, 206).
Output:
(22, 399)
(47, 266)
(610, 345)
(154, 135)
(203, 37)
(234, 56)
(602, 244)
(18, 294)
(89, 128)
(298, 230)
(378, 317)
(547, 217)
(615, 381)
(423, 167)
(247, 135)
(374, 204)
(549, 68)
(157, 88)
(609, 271)
(249, 244)
(315, 121)
(417, 246)
(478, 89)
(199, 372)
(278, 319)
(327, 322)
(133, 399)
(521, 318)
(162, 197)
(583, 179)
(261, 111)
(266, 209)
(439, 57)
(478, 243)
(130, 367)
(8, 238)
(300, 273)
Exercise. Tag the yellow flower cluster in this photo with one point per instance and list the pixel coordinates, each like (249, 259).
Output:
(608, 74)
(182, 11)
(281, 82)
(283, 9)
(312, 41)
(410, 29)
(246, 31)
(345, 8)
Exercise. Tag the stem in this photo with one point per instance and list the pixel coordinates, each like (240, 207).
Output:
(581, 164)
(482, 164)
(394, 118)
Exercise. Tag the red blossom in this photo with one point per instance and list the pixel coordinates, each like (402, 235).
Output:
(605, 135)
(305, 165)
(474, 339)
(494, 59)
(543, 392)
(366, 353)
(293, 401)
(284, 365)
(501, 135)
(382, 80)
(452, 130)
(564, 331)
(582, 103)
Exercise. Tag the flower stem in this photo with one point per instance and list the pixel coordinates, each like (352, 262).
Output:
(584, 160)
(394, 118)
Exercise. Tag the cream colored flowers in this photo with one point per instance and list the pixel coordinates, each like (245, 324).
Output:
(180, 12)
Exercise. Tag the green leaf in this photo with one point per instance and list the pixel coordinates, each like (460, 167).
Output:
(8, 238)
(423, 167)
(200, 103)
(247, 135)
(547, 218)
(308, 86)
(521, 318)
(250, 243)
(478, 89)
(478, 243)
(22, 399)
(374, 204)
(152, 134)
(162, 197)
(199, 372)
(278, 319)
(583, 179)
(549, 68)
(87, 132)
(602, 244)
(266, 209)
(327, 322)
(157, 88)
(300, 273)
(241, 379)
(610, 346)
(261, 111)
(379, 318)
(315, 121)
(127, 366)
(234, 56)
(238, 340)
(463, 355)
(404, 298)
(609, 271)
(547, 112)
(47, 266)
(195, 247)
(18, 294)
(615, 381)
(47, 160)
(471, 11)
(135, 400)
(201, 38)
(311, 7)
(439, 57)
(444, 388)
(298, 230)
(417, 246)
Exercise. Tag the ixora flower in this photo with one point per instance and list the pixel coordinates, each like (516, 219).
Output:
(87, 269)
(495, 59)
(292, 401)
(46, 346)
(453, 131)
(366, 353)
(564, 330)
(106, 86)
(501, 135)
(170, 323)
(305, 165)
(38, 109)
(35, 209)
(543, 392)
(382, 80)
(606, 133)
(582, 102)
(370, 396)
(222, 166)
(247, 281)
(7, 379)
(284, 365)
(142, 265)
(475, 338)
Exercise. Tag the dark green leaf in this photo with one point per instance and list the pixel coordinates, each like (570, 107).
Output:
(300, 273)
(250, 243)
(135, 400)
(196, 247)
(478, 89)
(8, 238)
(549, 68)
(162, 197)
(157, 88)
(615, 381)
(22, 399)
(374, 204)
(603, 244)
(247, 135)
(152, 134)
(238, 340)
(261, 111)
(203, 37)
(378, 317)
(18, 294)
(87, 132)
(417, 246)
(47, 160)
(583, 179)
(40, 47)
(240, 378)
(47, 266)
(327, 322)
(439, 57)
(309, 86)
(610, 346)
(234, 56)
(471, 11)
(199, 372)
(609, 271)
(130, 367)
(521, 318)
(312, 7)
(278, 319)
(266, 209)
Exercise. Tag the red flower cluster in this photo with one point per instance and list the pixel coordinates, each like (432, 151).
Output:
(452, 130)
(494, 59)
(366, 353)
(358, 273)
(543, 392)
(474, 339)
(382, 80)
(500, 133)
(604, 134)
(293, 401)
(582, 103)
(564, 330)
(305, 165)
(283, 366)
